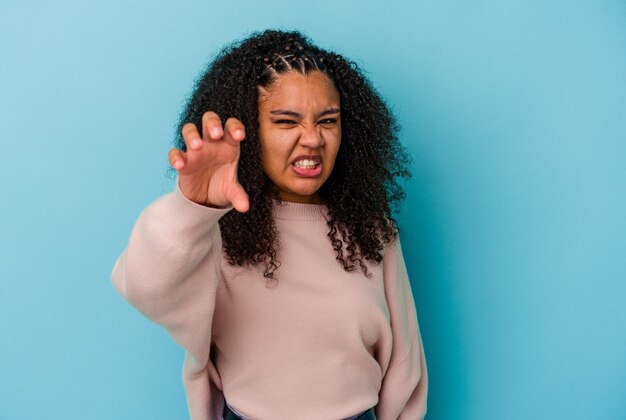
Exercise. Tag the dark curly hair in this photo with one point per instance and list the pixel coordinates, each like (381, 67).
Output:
(362, 191)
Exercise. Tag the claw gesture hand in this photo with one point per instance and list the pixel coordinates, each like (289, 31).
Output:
(207, 171)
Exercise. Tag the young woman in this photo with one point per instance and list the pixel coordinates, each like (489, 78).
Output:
(276, 262)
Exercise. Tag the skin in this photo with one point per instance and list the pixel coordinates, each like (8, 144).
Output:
(299, 116)
(207, 172)
(307, 125)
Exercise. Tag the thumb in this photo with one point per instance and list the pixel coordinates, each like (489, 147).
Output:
(239, 199)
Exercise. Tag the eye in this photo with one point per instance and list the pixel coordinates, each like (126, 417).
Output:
(286, 122)
(328, 121)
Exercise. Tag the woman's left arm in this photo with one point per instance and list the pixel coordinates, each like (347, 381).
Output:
(405, 384)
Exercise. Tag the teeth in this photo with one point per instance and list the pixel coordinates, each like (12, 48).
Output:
(306, 164)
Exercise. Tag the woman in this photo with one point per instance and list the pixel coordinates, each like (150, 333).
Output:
(275, 262)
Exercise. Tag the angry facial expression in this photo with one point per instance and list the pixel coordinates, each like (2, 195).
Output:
(299, 134)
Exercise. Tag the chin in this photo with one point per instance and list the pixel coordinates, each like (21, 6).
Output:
(300, 195)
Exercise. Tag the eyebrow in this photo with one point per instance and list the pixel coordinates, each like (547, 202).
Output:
(294, 114)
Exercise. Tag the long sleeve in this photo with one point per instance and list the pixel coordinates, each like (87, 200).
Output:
(404, 390)
(169, 272)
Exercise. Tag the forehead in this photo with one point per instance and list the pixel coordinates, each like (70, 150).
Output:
(297, 91)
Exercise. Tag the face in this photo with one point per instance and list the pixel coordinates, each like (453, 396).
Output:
(299, 134)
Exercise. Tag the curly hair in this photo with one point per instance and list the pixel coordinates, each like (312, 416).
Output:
(362, 192)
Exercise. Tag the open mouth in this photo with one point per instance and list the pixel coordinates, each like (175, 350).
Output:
(308, 166)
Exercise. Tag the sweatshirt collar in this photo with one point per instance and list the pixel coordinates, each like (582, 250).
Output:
(299, 211)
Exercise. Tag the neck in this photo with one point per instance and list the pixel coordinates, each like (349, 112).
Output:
(302, 199)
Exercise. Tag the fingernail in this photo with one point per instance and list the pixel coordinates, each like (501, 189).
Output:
(215, 132)
(196, 143)
(239, 133)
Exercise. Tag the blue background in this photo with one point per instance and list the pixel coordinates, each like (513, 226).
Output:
(514, 227)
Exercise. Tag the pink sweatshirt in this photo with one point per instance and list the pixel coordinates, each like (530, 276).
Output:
(322, 344)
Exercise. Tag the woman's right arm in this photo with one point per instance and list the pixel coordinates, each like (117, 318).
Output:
(171, 267)
(170, 273)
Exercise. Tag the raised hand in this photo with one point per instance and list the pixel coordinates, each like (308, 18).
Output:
(207, 171)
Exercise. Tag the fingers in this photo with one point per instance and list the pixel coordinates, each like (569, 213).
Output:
(234, 131)
(191, 136)
(177, 159)
(211, 126)
(211, 130)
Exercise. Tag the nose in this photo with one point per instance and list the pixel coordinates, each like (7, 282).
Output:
(312, 137)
